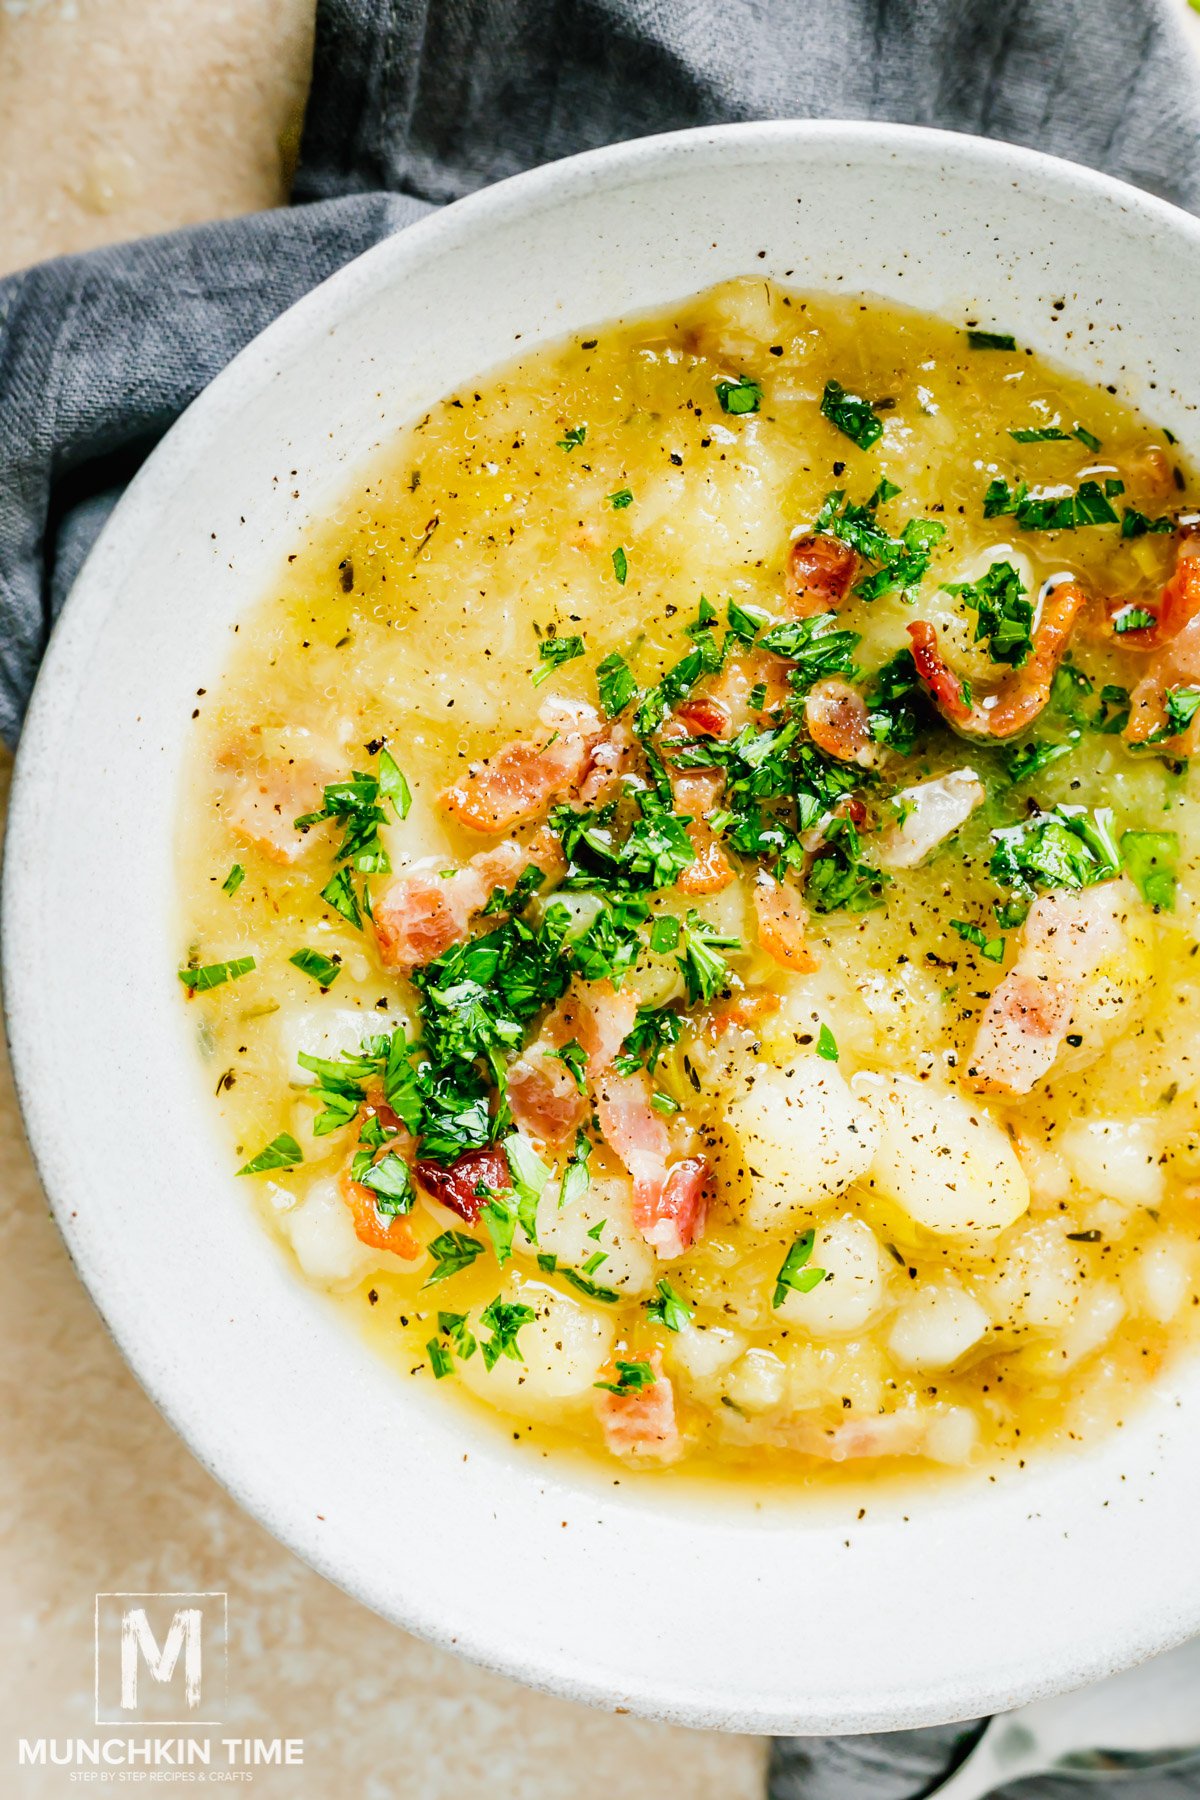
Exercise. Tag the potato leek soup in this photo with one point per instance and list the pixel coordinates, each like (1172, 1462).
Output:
(690, 884)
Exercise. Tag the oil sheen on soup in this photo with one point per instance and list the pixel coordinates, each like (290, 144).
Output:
(690, 881)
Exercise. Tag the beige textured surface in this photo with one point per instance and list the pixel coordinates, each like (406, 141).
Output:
(119, 117)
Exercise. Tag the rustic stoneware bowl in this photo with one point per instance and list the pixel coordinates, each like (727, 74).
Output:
(943, 1601)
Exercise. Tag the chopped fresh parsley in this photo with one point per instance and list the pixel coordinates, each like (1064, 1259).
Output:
(1150, 859)
(1136, 524)
(393, 786)
(1132, 618)
(339, 894)
(390, 1182)
(1182, 704)
(453, 1252)
(632, 1377)
(621, 499)
(664, 933)
(1004, 612)
(897, 709)
(282, 1152)
(553, 652)
(740, 396)
(840, 879)
(990, 340)
(827, 1044)
(795, 1274)
(655, 1030)
(616, 684)
(573, 1057)
(1020, 761)
(211, 975)
(1066, 848)
(1041, 434)
(817, 646)
(854, 417)
(516, 898)
(234, 879)
(323, 969)
(1089, 505)
(504, 1319)
(354, 803)
(592, 1289)
(440, 1359)
(620, 563)
(703, 968)
(668, 1308)
(576, 1180)
(530, 1178)
(572, 438)
(991, 948)
(902, 562)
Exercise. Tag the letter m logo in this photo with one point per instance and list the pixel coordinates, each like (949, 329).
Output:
(160, 1658)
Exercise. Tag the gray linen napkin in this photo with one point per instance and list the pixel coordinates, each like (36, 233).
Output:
(416, 102)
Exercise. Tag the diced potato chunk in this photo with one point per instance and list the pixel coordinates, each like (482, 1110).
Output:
(321, 1232)
(564, 1348)
(942, 1159)
(629, 1266)
(854, 1289)
(1120, 1159)
(802, 1137)
(1161, 1282)
(937, 1326)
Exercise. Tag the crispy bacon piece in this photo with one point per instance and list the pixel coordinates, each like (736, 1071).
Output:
(1015, 702)
(1065, 940)
(738, 680)
(836, 716)
(1178, 605)
(542, 1092)
(819, 572)
(264, 806)
(1176, 665)
(705, 716)
(371, 1227)
(419, 916)
(746, 1012)
(610, 759)
(423, 912)
(937, 678)
(458, 1184)
(696, 792)
(671, 1216)
(642, 1423)
(632, 1128)
(669, 1204)
(782, 920)
(523, 778)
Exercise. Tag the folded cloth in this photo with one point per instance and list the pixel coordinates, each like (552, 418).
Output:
(416, 102)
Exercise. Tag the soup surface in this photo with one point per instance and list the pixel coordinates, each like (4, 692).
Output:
(690, 882)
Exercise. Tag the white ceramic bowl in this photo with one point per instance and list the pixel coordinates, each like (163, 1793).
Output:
(943, 1603)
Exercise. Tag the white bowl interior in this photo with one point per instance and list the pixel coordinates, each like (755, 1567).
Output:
(938, 1605)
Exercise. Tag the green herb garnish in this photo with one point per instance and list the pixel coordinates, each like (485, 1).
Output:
(234, 879)
(211, 975)
(795, 1274)
(855, 417)
(740, 396)
(282, 1152)
(632, 1377)
(553, 652)
(323, 969)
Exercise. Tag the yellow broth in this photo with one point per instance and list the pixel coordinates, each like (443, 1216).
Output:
(412, 618)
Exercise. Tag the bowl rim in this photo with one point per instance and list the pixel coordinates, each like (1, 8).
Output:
(520, 196)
